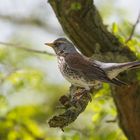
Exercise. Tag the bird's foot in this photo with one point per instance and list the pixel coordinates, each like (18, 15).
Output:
(82, 93)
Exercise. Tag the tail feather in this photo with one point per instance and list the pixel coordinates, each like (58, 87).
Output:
(130, 65)
(116, 68)
(133, 65)
(118, 82)
(122, 67)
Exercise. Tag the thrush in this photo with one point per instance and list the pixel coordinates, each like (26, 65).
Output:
(80, 71)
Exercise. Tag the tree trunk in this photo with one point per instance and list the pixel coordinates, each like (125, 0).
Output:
(83, 24)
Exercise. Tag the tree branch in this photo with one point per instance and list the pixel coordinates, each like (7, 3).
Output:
(83, 24)
(133, 29)
(73, 106)
(26, 49)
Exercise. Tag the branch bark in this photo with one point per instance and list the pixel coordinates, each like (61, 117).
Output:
(83, 24)
(74, 104)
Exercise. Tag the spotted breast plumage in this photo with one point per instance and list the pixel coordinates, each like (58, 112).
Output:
(73, 76)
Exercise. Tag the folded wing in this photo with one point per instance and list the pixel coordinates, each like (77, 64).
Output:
(89, 69)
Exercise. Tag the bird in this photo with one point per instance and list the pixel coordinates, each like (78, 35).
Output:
(83, 72)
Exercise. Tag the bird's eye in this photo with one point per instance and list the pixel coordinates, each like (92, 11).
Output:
(57, 43)
(62, 51)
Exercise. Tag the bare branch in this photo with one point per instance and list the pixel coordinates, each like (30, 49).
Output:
(133, 29)
(25, 48)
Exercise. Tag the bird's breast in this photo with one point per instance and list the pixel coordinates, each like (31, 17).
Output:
(61, 63)
(73, 76)
(64, 68)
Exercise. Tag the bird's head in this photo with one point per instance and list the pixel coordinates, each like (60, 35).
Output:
(62, 46)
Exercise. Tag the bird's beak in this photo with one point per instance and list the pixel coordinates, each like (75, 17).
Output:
(50, 44)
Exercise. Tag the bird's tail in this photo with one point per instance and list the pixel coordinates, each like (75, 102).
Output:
(132, 65)
(115, 69)
(128, 65)
(122, 67)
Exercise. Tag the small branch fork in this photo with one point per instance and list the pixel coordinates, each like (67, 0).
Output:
(133, 29)
(26, 49)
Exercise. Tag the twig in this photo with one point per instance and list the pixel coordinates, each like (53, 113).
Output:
(133, 29)
(25, 49)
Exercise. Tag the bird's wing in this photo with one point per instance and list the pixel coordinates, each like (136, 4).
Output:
(89, 69)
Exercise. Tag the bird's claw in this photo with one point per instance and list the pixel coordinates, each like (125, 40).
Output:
(79, 95)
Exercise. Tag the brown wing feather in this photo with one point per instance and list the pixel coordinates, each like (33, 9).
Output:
(89, 69)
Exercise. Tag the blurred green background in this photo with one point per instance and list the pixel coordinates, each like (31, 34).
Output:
(30, 83)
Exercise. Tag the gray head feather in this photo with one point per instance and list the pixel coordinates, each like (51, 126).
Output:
(62, 46)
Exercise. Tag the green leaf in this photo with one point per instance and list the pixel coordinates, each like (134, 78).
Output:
(114, 28)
